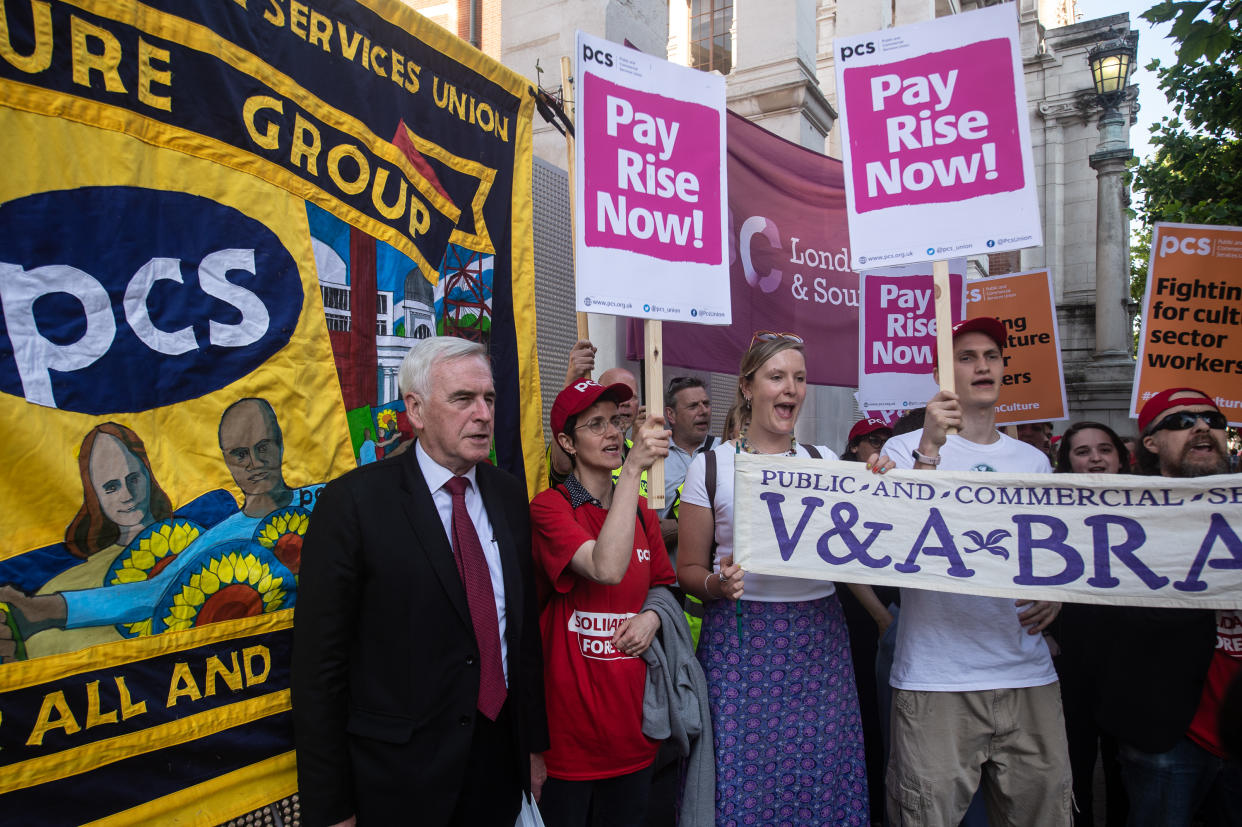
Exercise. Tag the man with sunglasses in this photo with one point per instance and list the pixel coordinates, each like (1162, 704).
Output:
(1164, 672)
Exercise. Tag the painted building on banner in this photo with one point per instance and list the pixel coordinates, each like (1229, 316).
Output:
(778, 60)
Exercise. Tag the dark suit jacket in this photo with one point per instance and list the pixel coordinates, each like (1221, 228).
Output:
(385, 665)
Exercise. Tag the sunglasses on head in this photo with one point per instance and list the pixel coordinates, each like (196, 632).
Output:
(771, 336)
(1182, 420)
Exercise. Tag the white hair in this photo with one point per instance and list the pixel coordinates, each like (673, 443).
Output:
(415, 374)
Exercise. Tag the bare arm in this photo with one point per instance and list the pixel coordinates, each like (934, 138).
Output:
(606, 558)
(879, 612)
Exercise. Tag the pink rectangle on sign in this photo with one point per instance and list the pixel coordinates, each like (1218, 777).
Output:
(652, 174)
(937, 128)
(900, 317)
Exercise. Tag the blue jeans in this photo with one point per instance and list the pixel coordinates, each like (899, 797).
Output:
(1167, 789)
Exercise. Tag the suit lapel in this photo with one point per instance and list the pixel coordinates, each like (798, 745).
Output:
(428, 533)
(495, 506)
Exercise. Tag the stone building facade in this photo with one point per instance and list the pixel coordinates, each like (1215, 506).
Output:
(778, 60)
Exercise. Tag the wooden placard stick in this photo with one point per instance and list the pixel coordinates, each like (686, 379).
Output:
(567, 92)
(944, 327)
(653, 355)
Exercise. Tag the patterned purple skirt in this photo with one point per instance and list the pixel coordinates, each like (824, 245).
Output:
(788, 735)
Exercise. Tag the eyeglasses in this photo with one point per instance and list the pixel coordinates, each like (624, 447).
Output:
(770, 336)
(874, 439)
(599, 425)
(1182, 420)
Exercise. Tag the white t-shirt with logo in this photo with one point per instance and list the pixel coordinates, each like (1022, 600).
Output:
(762, 588)
(956, 642)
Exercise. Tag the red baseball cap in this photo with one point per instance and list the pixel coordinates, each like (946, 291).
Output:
(993, 328)
(1163, 401)
(581, 395)
(865, 426)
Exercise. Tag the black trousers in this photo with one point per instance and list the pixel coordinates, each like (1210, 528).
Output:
(492, 792)
(604, 802)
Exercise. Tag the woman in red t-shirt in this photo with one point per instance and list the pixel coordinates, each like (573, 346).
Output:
(597, 551)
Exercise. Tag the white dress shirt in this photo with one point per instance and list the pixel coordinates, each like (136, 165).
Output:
(436, 476)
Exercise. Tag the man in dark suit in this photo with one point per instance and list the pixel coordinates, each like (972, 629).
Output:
(417, 670)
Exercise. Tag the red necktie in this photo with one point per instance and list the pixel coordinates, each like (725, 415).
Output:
(472, 566)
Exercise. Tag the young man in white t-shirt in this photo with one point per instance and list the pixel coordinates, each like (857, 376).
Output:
(976, 700)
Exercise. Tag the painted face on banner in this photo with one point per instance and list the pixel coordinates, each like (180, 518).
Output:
(934, 128)
(121, 483)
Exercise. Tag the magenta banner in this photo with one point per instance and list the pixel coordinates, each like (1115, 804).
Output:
(788, 262)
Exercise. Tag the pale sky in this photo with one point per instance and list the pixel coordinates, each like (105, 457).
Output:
(1152, 44)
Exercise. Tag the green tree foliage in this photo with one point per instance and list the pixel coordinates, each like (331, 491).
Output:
(1195, 172)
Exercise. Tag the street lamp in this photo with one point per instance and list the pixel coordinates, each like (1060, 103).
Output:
(1111, 61)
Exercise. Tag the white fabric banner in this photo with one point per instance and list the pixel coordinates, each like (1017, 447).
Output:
(1079, 538)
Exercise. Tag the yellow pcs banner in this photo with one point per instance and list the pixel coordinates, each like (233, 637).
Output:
(222, 224)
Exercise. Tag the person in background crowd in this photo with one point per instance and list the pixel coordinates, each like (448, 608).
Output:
(864, 442)
(1131, 443)
(417, 677)
(1088, 448)
(688, 411)
(598, 551)
(784, 708)
(732, 423)
(975, 700)
(866, 439)
(911, 420)
(1038, 435)
(1165, 671)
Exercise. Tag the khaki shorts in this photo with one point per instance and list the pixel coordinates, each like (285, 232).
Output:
(946, 743)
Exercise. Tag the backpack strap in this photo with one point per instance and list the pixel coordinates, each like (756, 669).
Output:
(813, 451)
(709, 479)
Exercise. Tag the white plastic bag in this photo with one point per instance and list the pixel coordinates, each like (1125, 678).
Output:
(528, 816)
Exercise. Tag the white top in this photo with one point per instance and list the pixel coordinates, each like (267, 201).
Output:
(956, 642)
(762, 588)
(436, 475)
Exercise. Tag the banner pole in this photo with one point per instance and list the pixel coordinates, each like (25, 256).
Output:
(567, 92)
(653, 356)
(944, 327)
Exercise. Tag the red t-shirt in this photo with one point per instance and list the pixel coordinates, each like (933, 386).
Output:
(1205, 728)
(594, 693)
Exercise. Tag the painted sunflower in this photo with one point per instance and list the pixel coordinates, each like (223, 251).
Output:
(282, 532)
(236, 580)
(148, 555)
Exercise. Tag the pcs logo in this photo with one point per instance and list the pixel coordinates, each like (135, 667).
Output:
(601, 57)
(123, 299)
(1190, 245)
(858, 50)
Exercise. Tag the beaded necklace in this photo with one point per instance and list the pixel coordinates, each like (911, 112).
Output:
(743, 444)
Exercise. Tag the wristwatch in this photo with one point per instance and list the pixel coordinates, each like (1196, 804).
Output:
(923, 458)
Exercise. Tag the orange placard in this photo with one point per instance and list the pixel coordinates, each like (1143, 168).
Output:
(1034, 386)
(1192, 316)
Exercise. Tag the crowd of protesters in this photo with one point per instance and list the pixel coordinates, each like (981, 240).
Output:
(678, 688)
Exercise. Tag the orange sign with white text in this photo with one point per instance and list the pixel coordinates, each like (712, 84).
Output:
(1034, 386)
(1192, 316)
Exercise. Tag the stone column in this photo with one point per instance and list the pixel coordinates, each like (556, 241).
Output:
(1112, 271)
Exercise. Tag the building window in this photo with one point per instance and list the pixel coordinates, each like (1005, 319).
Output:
(711, 44)
(335, 298)
(381, 304)
(338, 323)
(381, 327)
